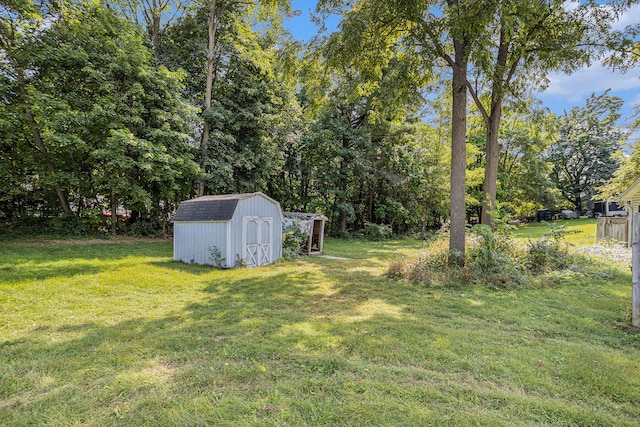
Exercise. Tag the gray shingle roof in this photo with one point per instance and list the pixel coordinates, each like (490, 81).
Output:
(209, 208)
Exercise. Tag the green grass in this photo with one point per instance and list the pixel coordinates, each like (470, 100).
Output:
(583, 230)
(117, 334)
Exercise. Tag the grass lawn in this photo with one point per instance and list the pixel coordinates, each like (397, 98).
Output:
(583, 230)
(119, 334)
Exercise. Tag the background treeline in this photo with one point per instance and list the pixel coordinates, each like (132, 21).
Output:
(104, 109)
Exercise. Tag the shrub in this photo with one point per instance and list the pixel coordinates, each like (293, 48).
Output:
(215, 255)
(292, 240)
(376, 232)
(87, 223)
(432, 268)
(494, 260)
(397, 269)
(550, 252)
(144, 229)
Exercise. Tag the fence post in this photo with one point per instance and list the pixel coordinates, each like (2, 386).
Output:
(635, 271)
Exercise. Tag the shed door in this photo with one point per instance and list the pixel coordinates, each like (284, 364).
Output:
(256, 240)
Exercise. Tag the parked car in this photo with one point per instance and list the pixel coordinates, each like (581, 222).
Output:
(569, 214)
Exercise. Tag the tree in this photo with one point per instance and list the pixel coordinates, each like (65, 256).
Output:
(218, 9)
(525, 40)
(435, 31)
(523, 177)
(156, 15)
(629, 170)
(524, 183)
(113, 124)
(583, 157)
(20, 23)
(621, 48)
(252, 113)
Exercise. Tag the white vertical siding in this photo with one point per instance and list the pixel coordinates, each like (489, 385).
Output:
(192, 240)
(633, 207)
(261, 207)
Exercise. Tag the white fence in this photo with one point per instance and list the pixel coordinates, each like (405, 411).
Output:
(612, 228)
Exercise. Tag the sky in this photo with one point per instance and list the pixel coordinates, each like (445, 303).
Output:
(566, 91)
(563, 92)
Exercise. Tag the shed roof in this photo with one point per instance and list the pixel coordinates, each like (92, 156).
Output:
(212, 208)
(631, 192)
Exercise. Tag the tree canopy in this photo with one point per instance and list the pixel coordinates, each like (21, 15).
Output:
(111, 115)
(584, 155)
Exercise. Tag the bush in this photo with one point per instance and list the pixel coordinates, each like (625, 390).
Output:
(215, 256)
(550, 252)
(493, 259)
(435, 266)
(376, 232)
(87, 223)
(144, 229)
(292, 240)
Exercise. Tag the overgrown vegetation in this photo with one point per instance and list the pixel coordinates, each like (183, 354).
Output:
(495, 258)
(215, 256)
(292, 240)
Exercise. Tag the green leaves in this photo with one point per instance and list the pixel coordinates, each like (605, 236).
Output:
(111, 122)
(583, 157)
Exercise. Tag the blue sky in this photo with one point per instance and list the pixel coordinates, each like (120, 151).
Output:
(563, 92)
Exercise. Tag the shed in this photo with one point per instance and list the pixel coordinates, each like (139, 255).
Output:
(312, 225)
(631, 199)
(227, 230)
(543, 215)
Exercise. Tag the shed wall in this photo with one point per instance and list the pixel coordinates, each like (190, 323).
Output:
(633, 204)
(192, 240)
(260, 207)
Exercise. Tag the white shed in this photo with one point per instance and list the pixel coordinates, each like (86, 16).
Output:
(228, 229)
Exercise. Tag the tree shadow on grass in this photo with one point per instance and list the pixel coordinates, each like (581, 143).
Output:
(12, 274)
(299, 324)
(184, 267)
(381, 251)
(289, 343)
(24, 262)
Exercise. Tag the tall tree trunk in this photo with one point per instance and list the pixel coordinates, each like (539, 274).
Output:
(165, 217)
(155, 34)
(213, 26)
(492, 122)
(458, 149)
(491, 168)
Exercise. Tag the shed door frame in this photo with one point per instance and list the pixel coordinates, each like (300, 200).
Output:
(258, 250)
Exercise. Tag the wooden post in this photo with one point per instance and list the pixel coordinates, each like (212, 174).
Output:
(635, 271)
(321, 238)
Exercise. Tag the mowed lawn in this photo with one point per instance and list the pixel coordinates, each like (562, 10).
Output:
(117, 334)
(582, 232)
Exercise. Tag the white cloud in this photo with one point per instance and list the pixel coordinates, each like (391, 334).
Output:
(596, 79)
(629, 17)
(570, 5)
